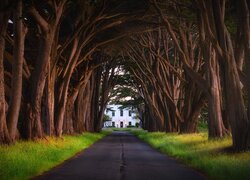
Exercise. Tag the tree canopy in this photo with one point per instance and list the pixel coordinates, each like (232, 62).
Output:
(60, 62)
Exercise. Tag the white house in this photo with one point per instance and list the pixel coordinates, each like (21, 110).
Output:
(120, 118)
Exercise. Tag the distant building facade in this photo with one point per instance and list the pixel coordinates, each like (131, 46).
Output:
(120, 118)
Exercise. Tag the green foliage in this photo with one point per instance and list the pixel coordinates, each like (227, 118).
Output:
(202, 126)
(203, 118)
(125, 129)
(124, 92)
(213, 157)
(137, 124)
(106, 118)
(26, 159)
(231, 17)
(130, 126)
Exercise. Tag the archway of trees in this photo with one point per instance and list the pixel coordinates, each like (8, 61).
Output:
(60, 61)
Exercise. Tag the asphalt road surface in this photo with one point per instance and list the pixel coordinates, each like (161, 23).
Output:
(121, 156)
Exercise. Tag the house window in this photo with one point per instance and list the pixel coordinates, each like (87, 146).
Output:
(129, 113)
(113, 113)
(129, 123)
(121, 112)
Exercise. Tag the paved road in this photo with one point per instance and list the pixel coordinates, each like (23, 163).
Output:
(121, 156)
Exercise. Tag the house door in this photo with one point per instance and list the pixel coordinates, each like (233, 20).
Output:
(121, 124)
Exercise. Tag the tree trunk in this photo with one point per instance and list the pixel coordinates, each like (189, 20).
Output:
(189, 124)
(50, 103)
(82, 122)
(233, 92)
(216, 127)
(244, 9)
(96, 82)
(107, 76)
(4, 134)
(35, 129)
(236, 109)
(68, 121)
(39, 75)
(70, 124)
(17, 72)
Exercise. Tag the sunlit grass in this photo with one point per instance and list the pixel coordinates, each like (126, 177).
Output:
(110, 129)
(210, 157)
(27, 159)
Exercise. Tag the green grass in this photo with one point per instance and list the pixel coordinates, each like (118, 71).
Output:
(26, 159)
(195, 150)
(202, 126)
(123, 129)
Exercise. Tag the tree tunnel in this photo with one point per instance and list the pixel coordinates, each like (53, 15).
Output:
(61, 62)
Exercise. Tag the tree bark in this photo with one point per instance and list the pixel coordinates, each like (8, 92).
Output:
(244, 14)
(72, 124)
(216, 127)
(4, 134)
(50, 102)
(68, 121)
(96, 82)
(39, 75)
(17, 72)
(38, 82)
(233, 92)
(63, 90)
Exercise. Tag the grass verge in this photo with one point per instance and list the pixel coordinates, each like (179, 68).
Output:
(195, 150)
(110, 129)
(26, 159)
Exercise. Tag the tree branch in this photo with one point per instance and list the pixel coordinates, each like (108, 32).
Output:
(39, 19)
